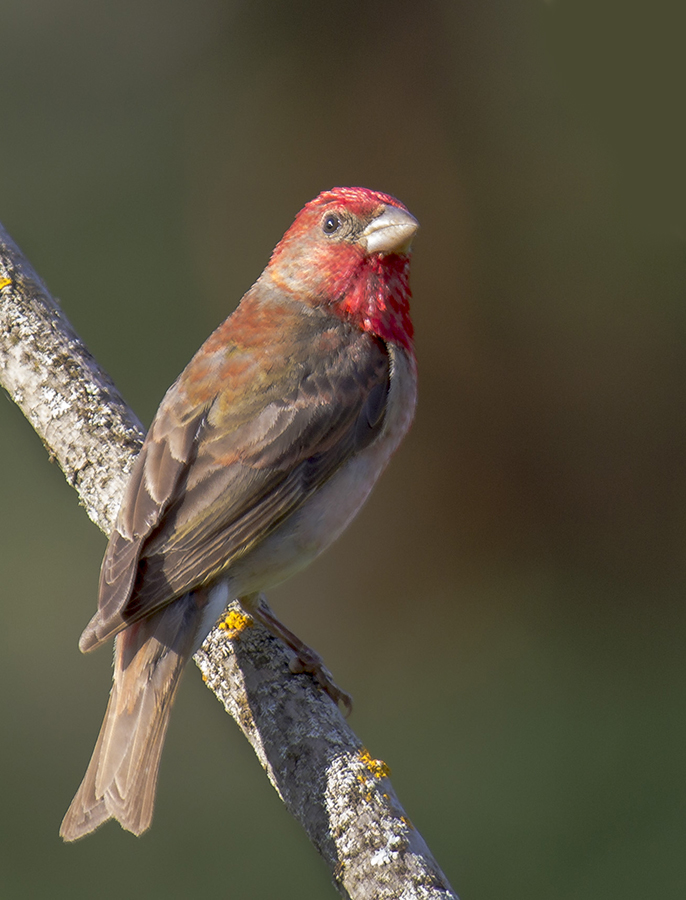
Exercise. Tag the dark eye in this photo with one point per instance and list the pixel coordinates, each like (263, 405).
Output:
(331, 224)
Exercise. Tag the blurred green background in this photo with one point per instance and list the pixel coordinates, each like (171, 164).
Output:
(508, 611)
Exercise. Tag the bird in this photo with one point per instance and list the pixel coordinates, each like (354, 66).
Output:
(260, 454)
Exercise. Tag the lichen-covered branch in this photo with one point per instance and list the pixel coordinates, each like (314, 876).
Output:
(73, 405)
(341, 796)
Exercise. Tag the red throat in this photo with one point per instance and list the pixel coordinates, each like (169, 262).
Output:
(375, 295)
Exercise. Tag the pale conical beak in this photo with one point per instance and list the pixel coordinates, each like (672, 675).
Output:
(391, 232)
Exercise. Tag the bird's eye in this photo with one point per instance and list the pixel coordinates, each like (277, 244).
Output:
(331, 224)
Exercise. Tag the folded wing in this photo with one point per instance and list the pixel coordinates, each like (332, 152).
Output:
(215, 477)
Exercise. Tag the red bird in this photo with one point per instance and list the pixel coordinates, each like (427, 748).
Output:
(260, 454)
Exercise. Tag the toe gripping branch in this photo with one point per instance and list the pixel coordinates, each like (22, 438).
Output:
(305, 659)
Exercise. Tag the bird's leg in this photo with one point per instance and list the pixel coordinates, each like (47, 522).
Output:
(305, 659)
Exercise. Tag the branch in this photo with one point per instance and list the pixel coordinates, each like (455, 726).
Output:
(340, 795)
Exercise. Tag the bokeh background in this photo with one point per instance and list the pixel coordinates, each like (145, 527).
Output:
(508, 610)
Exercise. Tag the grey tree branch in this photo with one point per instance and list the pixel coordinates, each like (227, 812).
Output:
(341, 796)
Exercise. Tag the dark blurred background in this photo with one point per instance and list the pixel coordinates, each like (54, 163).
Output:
(508, 611)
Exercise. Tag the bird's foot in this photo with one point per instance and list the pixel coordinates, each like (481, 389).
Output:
(305, 659)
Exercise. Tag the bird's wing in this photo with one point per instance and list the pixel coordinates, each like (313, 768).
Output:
(214, 480)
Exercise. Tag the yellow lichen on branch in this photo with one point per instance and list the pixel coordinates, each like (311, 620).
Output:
(375, 767)
(234, 623)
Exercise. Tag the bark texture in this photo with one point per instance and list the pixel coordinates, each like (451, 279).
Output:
(341, 795)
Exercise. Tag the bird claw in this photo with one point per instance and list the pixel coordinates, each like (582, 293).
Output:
(305, 659)
(312, 663)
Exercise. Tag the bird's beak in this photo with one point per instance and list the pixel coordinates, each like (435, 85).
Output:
(391, 232)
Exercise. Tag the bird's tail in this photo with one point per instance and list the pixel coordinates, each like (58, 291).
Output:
(122, 775)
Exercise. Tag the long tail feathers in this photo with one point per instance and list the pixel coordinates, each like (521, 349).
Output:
(122, 775)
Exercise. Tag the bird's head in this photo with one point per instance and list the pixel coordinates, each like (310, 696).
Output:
(349, 250)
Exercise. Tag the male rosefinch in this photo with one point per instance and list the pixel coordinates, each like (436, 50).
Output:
(260, 454)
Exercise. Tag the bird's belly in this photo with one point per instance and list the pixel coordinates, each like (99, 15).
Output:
(309, 531)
